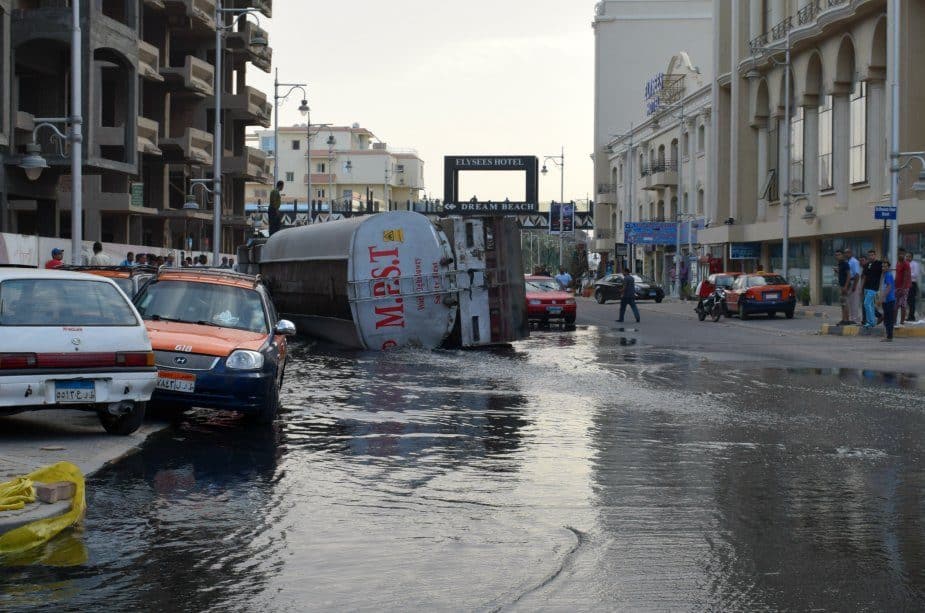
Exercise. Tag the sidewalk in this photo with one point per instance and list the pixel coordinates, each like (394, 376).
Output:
(916, 330)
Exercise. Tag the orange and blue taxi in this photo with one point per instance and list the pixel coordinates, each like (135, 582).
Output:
(217, 340)
(761, 293)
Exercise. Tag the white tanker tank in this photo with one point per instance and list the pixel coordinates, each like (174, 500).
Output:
(398, 279)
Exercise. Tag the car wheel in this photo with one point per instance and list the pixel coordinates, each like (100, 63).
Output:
(789, 314)
(658, 300)
(569, 320)
(772, 315)
(599, 296)
(742, 314)
(124, 424)
(270, 407)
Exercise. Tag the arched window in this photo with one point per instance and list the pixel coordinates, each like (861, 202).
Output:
(796, 150)
(660, 213)
(825, 143)
(686, 150)
(701, 138)
(661, 157)
(857, 146)
(700, 202)
(673, 162)
(642, 165)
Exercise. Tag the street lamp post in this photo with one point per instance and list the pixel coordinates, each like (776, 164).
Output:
(219, 86)
(303, 109)
(558, 160)
(331, 142)
(33, 163)
(893, 61)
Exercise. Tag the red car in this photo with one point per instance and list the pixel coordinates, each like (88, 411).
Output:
(546, 302)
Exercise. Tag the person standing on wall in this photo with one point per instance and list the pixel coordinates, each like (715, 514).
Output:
(903, 285)
(273, 214)
(854, 287)
(629, 296)
(887, 293)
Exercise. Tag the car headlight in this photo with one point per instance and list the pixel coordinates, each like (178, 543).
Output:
(243, 359)
(570, 301)
(535, 302)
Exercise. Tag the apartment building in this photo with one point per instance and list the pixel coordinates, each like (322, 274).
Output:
(148, 117)
(633, 42)
(838, 123)
(351, 169)
(659, 169)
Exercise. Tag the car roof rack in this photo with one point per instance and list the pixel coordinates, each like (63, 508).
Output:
(139, 268)
(213, 272)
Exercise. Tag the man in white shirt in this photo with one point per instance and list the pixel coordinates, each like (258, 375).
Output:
(99, 257)
(563, 279)
(913, 297)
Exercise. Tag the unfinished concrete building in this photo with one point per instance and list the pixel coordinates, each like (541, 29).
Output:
(148, 116)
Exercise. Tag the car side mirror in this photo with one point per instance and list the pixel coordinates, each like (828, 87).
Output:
(285, 327)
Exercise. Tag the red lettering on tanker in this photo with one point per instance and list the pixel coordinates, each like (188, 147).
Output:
(390, 313)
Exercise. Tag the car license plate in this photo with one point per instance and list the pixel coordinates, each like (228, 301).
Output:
(554, 310)
(176, 382)
(75, 391)
(772, 295)
(652, 294)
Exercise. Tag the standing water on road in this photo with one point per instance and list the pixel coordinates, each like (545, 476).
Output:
(577, 470)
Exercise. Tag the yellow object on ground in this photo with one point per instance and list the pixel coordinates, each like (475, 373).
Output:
(16, 494)
(32, 535)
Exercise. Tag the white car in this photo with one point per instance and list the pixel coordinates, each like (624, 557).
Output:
(73, 340)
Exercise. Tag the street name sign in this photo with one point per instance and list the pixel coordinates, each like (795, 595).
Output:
(885, 212)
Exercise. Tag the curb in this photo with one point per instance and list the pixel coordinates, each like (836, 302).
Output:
(833, 330)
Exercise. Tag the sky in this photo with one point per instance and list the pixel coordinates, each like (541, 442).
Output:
(507, 77)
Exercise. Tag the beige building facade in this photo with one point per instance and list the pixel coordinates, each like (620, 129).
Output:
(839, 131)
(633, 41)
(659, 170)
(351, 169)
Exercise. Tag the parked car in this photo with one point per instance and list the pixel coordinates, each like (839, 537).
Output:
(611, 288)
(130, 279)
(546, 302)
(72, 340)
(761, 293)
(217, 340)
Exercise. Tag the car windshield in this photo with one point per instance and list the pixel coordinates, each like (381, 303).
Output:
(759, 280)
(226, 306)
(542, 285)
(63, 302)
(724, 281)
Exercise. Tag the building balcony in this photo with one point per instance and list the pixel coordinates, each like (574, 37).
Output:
(251, 165)
(192, 146)
(606, 193)
(155, 4)
(201, 13)
(660, 175)
(242, 42)
(250, 106)
(194, 76)
(149, 59)
(147, 136)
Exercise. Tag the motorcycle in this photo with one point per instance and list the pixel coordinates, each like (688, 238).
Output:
(704, 293)
(713, 306)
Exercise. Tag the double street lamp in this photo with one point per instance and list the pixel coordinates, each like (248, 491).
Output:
(558, 160)
(33, 163)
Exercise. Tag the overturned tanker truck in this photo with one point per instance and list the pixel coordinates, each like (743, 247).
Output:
(398, 279)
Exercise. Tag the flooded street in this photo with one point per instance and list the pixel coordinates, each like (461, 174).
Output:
(578, 470)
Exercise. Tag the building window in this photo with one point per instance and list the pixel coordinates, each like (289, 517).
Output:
(825, 143)
(686, 147)
(857, 145)
(701, 138)
(266, 144)
(620, 174)
(796, 151)
(700, 202)
(321, 167)
(296, 145)
(290, 177)
(642, 165)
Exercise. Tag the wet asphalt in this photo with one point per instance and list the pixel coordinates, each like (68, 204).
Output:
(606, 467)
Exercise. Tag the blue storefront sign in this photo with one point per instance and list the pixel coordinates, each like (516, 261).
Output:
(744, 251)
(651, 233)
(885, 212)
